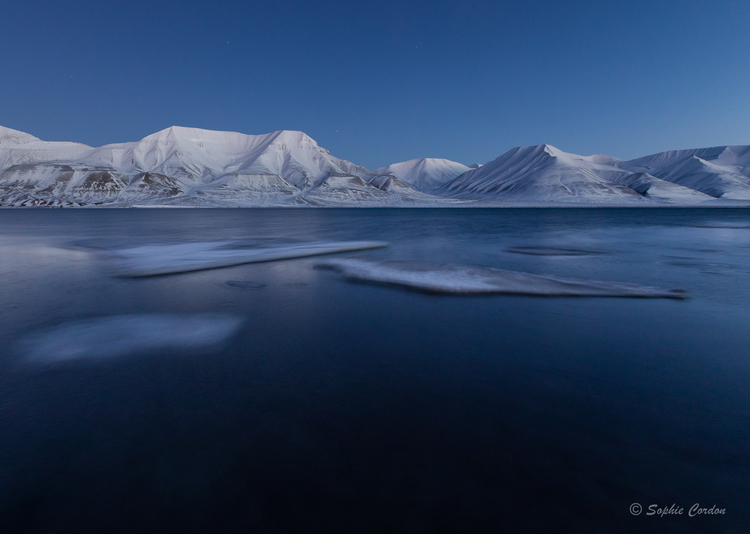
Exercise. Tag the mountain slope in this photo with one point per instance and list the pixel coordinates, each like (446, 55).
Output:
(721, 172)
(18, 148)
(542, 173)
(426, 174)
(735, 158)
(660, 190)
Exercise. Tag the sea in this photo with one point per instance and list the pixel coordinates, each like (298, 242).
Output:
(339, 406)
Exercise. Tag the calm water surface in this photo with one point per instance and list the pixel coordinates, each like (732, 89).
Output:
(343, 407)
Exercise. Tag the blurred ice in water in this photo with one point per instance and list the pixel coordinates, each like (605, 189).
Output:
(550, 251)
(120, 335)
(467, 280)
(152, 260)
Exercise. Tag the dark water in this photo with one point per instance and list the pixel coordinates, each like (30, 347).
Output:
(354, 408)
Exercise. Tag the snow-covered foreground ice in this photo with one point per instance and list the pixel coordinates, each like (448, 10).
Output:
(120, 335)
(152, 260)
(466, 280)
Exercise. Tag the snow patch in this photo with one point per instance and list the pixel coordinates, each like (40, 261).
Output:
(466, 280)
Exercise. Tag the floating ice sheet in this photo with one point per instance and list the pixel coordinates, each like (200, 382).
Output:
(731, 225)
(244, 284)
(120, 335)
(465, 280)
(550, 251)
(152, 260)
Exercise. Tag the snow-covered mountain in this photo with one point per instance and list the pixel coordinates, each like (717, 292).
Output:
(721, 172)
(190, 166)
(660, 190)
(426, 174)
(193, 167)
(546, 174)
(17, 148)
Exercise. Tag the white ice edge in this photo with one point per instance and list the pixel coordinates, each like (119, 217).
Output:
(119, 335)
(466, 280)
(153, 260)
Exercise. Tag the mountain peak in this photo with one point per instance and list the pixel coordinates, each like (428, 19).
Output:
(552, 151)
(199, 135)
(296, 136)
(184, 132)
(543, 150)
(8, 136)
(426, 174)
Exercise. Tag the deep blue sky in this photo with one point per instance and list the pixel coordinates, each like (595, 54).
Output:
(382, 82)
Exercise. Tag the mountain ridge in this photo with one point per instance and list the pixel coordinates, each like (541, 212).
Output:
(197, 167)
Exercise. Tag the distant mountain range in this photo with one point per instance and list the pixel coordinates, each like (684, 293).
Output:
(193, 167)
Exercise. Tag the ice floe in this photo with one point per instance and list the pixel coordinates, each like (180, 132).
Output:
(152, 260)
(736, 226)
(121, 335)
(244, 284)
(466, 280)
(550, 251)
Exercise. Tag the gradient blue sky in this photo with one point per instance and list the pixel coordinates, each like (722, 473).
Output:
(382, 82)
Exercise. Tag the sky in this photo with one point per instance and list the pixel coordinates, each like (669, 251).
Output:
(382, 82)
